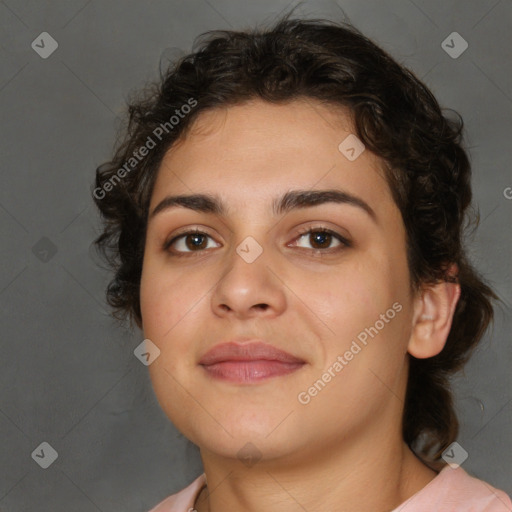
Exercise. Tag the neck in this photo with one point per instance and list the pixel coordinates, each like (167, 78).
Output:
(354, 476)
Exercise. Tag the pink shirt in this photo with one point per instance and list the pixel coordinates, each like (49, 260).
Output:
(452, 490)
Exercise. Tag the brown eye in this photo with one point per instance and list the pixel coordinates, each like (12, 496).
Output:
(191, 241)
(321, 239)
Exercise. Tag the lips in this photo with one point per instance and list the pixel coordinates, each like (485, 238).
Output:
(248, 362)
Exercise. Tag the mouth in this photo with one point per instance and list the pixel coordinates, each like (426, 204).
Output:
(249, 362)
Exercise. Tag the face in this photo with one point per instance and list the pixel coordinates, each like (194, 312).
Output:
(324, 280)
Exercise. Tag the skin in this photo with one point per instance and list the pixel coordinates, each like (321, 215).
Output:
(343, 450)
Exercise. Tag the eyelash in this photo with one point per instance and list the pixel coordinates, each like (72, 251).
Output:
(305, 231)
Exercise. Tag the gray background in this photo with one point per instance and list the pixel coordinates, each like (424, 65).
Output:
(68, 375)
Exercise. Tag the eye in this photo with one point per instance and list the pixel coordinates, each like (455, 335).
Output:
(321, 239)
(189, 241)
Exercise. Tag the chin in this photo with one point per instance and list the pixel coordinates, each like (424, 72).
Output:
(251, 435)
(248, 449)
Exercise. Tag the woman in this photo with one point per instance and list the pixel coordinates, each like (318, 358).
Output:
(284, 218)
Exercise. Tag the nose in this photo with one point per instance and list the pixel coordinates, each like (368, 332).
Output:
(249, 290)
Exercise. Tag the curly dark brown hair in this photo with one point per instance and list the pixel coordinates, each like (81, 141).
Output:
(396, 117)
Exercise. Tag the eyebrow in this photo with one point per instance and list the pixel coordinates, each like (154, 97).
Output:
(295, 199)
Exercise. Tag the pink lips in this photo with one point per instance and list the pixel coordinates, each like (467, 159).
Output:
(248, 362)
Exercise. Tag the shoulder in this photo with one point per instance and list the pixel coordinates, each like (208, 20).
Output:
(454, 490)
(182, 501)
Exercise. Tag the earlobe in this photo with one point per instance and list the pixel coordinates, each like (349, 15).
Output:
(433, 315)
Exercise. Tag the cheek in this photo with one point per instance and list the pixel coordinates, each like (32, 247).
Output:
(166, 300)
(154, 304)
(169, 312)
(366, 302)
(357, 293)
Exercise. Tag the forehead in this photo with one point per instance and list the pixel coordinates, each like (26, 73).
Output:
(252, 151)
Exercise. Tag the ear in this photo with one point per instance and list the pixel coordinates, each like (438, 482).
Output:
(432, 319)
